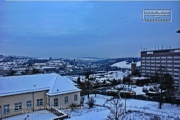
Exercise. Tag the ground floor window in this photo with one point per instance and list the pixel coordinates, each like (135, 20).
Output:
(6, 109)
(18, 106)
(66, 99)
(56, 102)
(39, 102)
(75, 98)
(28, 104)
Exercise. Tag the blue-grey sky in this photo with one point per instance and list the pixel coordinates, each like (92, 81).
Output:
(84, 29)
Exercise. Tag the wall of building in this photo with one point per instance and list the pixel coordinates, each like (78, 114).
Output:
(61, 100)
(168, 60)
(11, 100)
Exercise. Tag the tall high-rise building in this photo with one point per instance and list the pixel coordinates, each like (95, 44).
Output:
(167, 60)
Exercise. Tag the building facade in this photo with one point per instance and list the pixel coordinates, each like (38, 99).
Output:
(22, 94)
(167, 60)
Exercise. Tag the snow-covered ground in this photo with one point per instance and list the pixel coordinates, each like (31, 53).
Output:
(132, 88)
(37, 115)
(138, 91)
(140, 110)
(124, 64)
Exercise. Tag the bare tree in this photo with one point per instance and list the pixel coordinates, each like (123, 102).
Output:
(116, 109)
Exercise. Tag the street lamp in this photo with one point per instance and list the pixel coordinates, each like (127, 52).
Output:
(178, 31)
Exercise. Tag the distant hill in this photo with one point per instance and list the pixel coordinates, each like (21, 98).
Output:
(90, 58)
(125, 64)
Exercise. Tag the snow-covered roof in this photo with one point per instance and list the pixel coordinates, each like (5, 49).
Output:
(48, 67)
(55, 61)
(39, 63)
(139, 78)
(53, 83)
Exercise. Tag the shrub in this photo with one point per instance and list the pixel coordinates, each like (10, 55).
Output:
(91, 102)
(82, 100)
(177, 118)
(73, 106)
(155, 117)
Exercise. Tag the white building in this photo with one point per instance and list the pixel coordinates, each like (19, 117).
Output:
(19, 94)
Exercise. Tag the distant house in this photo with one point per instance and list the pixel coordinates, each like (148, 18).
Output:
(19, 94)
(48, 69)
(140, 80)
(39, 64)
(4, 72)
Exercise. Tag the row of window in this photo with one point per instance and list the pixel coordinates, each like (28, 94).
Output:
(162, 60)
(174, 75)
(18, 106)
(168, 65)
(65, 100)
(162, 57)
(156, 61)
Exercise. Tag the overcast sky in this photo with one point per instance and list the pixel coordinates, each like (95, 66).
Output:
(84, 29)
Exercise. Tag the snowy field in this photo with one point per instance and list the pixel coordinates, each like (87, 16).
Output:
(140, 110)
(37, 115)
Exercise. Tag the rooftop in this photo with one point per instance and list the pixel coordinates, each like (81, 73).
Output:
(161, 51)
(53, 83)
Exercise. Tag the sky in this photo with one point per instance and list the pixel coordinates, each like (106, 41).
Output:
(84, 29)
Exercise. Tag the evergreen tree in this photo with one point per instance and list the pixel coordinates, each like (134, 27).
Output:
(87, 83)
(78, 80)
(166, 84)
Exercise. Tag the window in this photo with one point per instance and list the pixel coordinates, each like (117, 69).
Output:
(66, 99)
(18, 106)
(28, 104)
(39, 102)
(56, 102)
(6, 109)
(75, 98)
